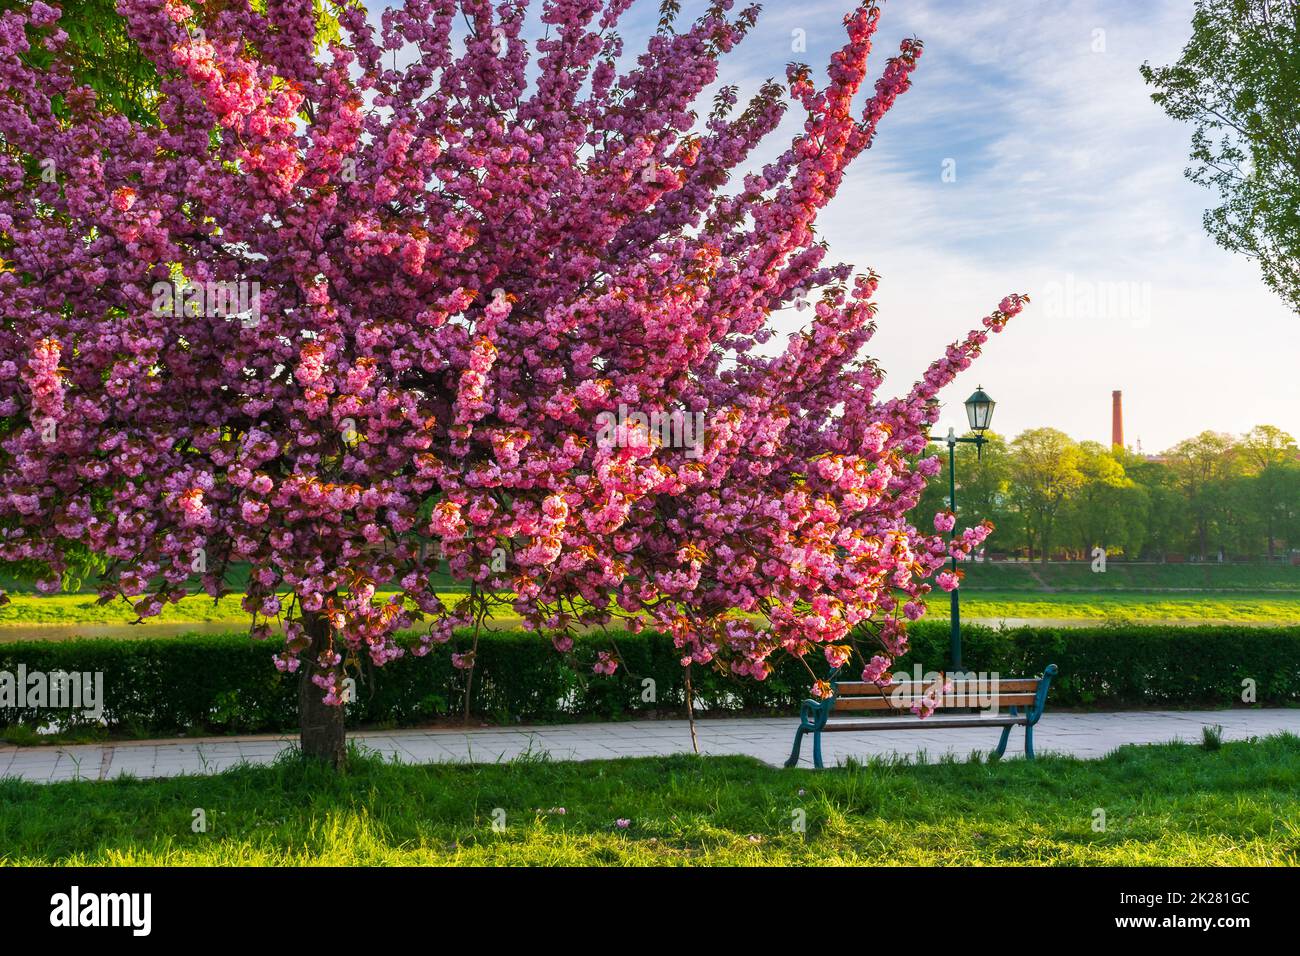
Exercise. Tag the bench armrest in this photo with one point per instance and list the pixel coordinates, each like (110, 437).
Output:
(1040, 701)
(814, 712)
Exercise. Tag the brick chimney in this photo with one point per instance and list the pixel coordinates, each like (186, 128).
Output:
(1117, 419)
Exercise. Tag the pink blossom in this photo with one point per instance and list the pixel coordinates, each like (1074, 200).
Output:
(378, 204)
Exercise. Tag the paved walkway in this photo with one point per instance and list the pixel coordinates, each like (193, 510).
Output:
(769, 739)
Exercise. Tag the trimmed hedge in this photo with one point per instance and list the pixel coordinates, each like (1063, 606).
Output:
(226, 683)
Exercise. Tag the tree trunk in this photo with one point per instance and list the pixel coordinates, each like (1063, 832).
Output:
(321, 730)
(690, 710)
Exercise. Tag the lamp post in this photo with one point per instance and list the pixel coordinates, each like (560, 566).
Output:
(979, 412)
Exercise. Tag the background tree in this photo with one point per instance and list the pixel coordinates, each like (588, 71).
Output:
(983, 490)
(1202, 468)
(1288, 507)
(1108, 509)
(1165, 522)
(1208, 493)
(1272, 460)
(1238, 82)
(1046, 466)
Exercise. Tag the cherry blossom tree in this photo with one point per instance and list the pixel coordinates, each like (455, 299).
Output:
(335, 317)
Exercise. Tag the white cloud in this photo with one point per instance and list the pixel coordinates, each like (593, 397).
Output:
(1067, 174)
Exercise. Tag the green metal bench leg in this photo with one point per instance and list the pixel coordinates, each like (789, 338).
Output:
(1040, 702)
(1002, 744)
(817, 749)
(798, 742)
(1006, 734)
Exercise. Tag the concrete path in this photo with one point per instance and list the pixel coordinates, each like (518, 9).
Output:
(769, 739)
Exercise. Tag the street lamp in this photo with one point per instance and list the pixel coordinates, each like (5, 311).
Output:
(979, 412)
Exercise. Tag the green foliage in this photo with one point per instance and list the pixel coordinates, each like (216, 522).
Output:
(226, 683)
(1047, 473)
(1238, 83)
(105, 57)
(1049, 496)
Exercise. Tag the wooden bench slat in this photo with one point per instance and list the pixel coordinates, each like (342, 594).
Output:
(914, 723)
(886, 703)
(1018, 685)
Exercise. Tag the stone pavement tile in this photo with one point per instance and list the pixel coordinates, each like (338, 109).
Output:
(646, 748)
(262, 747)
(382, 746)
(453, 744)
(37, 754)
(136, 767)
(86, 756)
(68, 775)
(667, 733)
(219, 746)
(618, 728)
(166, 759)
(758, 734)
(32, 770)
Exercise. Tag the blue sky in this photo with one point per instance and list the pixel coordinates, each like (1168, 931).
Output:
(1063, 180)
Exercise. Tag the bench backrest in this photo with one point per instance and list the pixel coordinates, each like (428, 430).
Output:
(1026, 693)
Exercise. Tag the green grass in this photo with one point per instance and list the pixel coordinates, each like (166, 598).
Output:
(196, 609)
(236, 580)
(1137, 607)
(1173, 804)
(71, 609)
(998, 576)
(1121, 576)
(1211, 592)
(85, 609)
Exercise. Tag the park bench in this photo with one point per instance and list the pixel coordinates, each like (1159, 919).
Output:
(1024, 699)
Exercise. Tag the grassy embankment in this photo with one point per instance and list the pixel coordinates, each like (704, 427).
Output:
(1132, 593)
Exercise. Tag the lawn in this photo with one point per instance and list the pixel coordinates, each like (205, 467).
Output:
(1155, 593)
(195, 609)
(1123, 576)
(71, 609)
(1172, 804)
(1138, 607)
